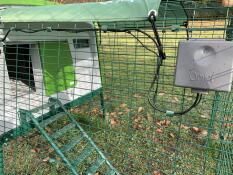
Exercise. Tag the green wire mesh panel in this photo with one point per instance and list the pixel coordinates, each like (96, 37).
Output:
(113, 71)
(225, 163)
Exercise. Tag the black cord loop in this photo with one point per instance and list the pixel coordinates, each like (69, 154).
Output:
(155, 82)
(152, 20)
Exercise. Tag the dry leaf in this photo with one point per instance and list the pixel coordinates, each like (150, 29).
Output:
(158, 123)
(136, 96)
(149, 118)
(95, 111)
(127, 110)
(36, 150)
(156, 140)
(228, 125)
(157, 173)
(163, 122)
(123, 105)
(113, 114)
(137, 126)
(196, 129)
(50, 150)
(205, 116)
(97, 173)
(159, 130)
(75, 110)
(114, 122)
(140, 109)
(20, 139)
(171, 135)
(48, 130)
(161, 94)
(184, 127)
(148, 128)
(176, 99)
(215, 136)
(46, 159)
(139, 118)
(203, 133)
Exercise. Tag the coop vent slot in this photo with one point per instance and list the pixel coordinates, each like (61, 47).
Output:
(81, 43)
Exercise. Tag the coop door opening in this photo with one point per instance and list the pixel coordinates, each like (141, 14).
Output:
(58, 68)
(19, 66)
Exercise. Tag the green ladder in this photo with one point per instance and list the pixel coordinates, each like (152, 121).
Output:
(62, 150)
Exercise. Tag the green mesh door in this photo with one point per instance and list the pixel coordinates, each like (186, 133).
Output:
(57, 65)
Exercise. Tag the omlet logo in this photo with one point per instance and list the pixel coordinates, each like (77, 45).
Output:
(197, 76)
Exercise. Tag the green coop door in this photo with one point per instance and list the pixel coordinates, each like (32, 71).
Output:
(57, 65)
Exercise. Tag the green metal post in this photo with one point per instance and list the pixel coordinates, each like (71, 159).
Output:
(103, 109)
(23, 120)
(52, 109)
(229, 30)
(102, 103)
(1, 158)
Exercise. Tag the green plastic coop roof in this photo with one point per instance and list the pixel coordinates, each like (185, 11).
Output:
(116, 10)
(26, 2)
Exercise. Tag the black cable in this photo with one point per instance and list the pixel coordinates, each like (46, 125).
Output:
(109, 30)
(152, 19)
(187, 31)
(155, 81)
(144, 46)
(161, 56)
(195, 103)
(30, 31)
(7, 33)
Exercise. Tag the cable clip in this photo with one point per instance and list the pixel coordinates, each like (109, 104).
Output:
(49, 29)
(152, 15)
(170, 113)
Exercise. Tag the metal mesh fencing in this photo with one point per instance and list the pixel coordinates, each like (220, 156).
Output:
(101, 74)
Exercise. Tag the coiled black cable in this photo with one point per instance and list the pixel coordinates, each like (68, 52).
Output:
(155, 81)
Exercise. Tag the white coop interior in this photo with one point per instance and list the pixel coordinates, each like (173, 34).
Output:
(26, 90)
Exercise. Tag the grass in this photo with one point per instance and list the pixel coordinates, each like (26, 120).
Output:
(135, 138)
(27, 2)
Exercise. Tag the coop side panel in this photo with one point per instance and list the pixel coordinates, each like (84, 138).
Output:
(84, 62)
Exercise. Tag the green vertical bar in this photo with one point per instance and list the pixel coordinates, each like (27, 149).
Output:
(102, 103)
(103, 109)
(229, 30)
(1, 158)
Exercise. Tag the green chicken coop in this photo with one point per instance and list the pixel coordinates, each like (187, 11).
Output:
(117, 87)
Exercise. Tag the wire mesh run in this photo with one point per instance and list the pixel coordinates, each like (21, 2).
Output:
(102, 77)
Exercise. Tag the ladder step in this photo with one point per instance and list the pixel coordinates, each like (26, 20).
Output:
(62, 131)
(44, 106)
(71, 144)
(92, 170)
(52, 119)
(85, 153)
(110, 172)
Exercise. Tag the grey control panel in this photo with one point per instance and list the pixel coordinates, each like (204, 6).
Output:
(205, 65)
